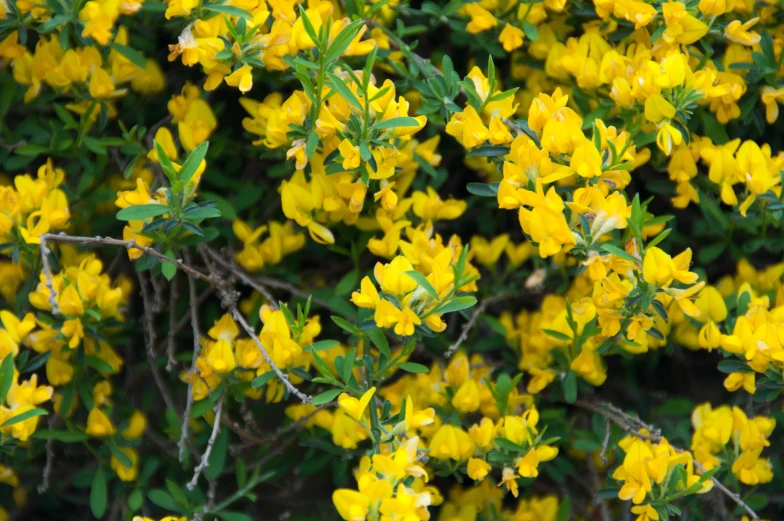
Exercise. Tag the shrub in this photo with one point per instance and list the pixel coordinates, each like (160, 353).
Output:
(257, 260)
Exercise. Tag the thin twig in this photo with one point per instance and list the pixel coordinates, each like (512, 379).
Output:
(283, 377)
(149, 333)
(472, 321)
(48, 274)
(131, 245)
(627, 422)
(246, 279)
(227, 296)
(597, 499)
(170, 360)
(204, 463)
(45, 478)
(196, 350)
(606, 442)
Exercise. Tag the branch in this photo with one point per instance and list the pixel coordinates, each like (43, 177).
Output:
(196, 350)
(247, 280)
(472, 321)
(170, 361)
(204, 463)
(628, 423)
(227, 296)
(149, 335)
(109, 241)
(283, 377)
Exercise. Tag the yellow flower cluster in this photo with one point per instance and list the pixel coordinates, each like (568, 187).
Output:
(33, 206)
(714, 429)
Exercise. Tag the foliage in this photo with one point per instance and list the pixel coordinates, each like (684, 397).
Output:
(270, 270)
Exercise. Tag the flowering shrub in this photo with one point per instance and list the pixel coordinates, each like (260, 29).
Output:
(257, 260)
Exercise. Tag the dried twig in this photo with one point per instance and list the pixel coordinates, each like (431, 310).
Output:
(283, 377)
(149, 334)
(632, 426)
(226, 294)
(204, 463)
(606, 442)
(170, 360)
(469, 326)
(196, 350)
(246, 279)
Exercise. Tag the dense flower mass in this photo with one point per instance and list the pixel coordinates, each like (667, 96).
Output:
(391, 261)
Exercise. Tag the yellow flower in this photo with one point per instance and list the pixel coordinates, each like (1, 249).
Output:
(451, 443)
(478, 469)
(350, 153)
(738, 32)
(351, 504)
(123, 472)
(511, 37)
(657, 109)
(136, 426)
(98, 424)
(481, 18)
(355, 408)
(241, 78)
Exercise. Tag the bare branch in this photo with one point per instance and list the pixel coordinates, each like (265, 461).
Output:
(246, 279)
(149, 334)
(204, 463)
(283, 377)
(170, 360)
(196, 350)
(469, 326)
(606, 442)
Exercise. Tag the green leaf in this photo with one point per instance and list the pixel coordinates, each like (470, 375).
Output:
(98, 494)
(142, 211)
(342, 41)
(262, 379)
(503, 443)
(321, 345)
(131, 54)
(229, 10)
(326, 396)
(99, 364)
(422, 281)
(131, 166)
(403, 121)
(135, 500)
(63, 436)
(32, 413)
(202, 213)
(54, 22)
(379, 340)
(483, 189)
(340, 86)
(224, 206)
(587, 445)
(217, 459)
(488, 151)
(169, 269)
(413, 367)
(557, 335)
(347, 283)
(312, 144)
(530, 31)
(457, 303)
(162, 499)
(734, 366)
(6, 97)
(609, 248)
(6, 376)
(570, 387)
(192, 162)
(120, 456)
(166, 165)
(234, 516)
